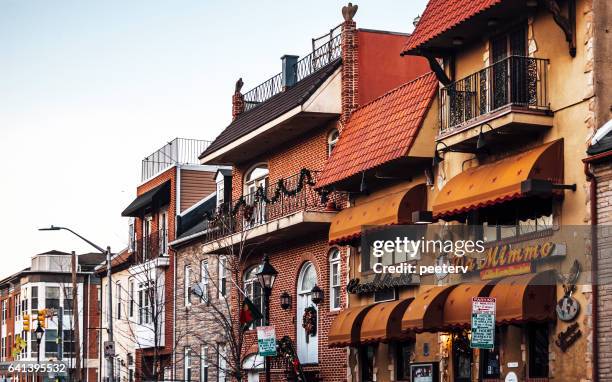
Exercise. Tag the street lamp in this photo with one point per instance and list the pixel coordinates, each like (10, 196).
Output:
(39, 335)
(266, 277)
(107, 252)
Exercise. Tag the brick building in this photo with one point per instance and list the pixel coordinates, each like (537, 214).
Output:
(46, 286)
(281, 136)
(143, 293)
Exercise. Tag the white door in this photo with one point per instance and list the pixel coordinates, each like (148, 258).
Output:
(146, 231)
(307, 345)
(163, 233)
(253, 376)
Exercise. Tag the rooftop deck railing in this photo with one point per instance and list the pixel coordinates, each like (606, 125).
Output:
(177, 151)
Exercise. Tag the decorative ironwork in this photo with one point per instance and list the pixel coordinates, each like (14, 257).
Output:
(177, 151)
(286, 196)
(151, 247)
(322, 54)
(516, 80)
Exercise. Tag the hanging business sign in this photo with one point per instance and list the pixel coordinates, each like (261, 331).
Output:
(483, 323)
(266, 341)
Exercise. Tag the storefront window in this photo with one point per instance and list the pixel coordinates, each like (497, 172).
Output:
(405, 351)
(513, 219)
(538, 350)
(366, 355)
(462, 357)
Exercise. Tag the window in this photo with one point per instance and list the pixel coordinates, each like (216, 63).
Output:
(187, 285)
(388, 258)
(34, 292)
(254, 292)
(366, 353)
(51, 343)
(405, 352)
(118, 299)
(204, 364)
(68, 343)
(221, 363)
(514, 219)
(147, 226)
(222, 276)
(538, 350)
(131, 236)
(256, 178)
(204, 277)
(131, 297)
(334, 279)
(187, 362)
(332, 140)
(4, 311)
(163, 232)
(52, 297)
(146, 295)
(68, 306)
(3, 348)
(17, 305)
(220, 181)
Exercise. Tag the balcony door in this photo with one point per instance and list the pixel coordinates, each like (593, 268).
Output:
(147, 226)
(163, 232)
(256, 178)
(509, 83)
(307, 344)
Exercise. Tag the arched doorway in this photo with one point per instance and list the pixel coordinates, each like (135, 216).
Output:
(307, 345)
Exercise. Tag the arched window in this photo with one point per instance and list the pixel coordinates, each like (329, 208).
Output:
(255, 177)
(332, 139)
(334, 279)
(254, 291)
(307, 345)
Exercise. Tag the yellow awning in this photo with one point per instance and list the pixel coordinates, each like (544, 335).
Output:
(390, 209)
(384, 322)
(426, 312)
(345, 328)
(525, 298)
(499, 181)
(458, 305)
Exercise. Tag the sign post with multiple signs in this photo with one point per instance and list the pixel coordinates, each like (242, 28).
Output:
(266, 341)
(483, 323)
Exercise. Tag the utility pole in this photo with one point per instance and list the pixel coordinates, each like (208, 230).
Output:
(110, 359)
(75, 320)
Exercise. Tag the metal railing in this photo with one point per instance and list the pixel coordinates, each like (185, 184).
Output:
(516, 80)
(322, 54)
(177, 151)
(151, 247)
(256, 212)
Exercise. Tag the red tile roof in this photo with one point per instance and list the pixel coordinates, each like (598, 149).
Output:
(442, 15)
(380, 131)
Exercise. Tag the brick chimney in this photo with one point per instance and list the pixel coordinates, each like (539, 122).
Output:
(237, 100)
(350, 67)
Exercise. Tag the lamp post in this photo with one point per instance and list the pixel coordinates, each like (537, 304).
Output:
(39, 335)
(110, 364)
(266, 277)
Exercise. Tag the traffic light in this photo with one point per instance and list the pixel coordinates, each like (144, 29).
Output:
(26, 322)
(42, 317)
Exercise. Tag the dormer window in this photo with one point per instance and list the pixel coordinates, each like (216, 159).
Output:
(220, 182)
(332, 140)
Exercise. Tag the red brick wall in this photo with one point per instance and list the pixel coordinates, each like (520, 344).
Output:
(169, 174)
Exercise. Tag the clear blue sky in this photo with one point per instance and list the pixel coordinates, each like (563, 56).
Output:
(88, 88)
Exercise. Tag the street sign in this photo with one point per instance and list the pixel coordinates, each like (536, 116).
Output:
(266, 341)
(483, 323)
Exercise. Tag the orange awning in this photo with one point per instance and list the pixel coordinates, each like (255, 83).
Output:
(426, 312)
(344, 331)
(524, 298)
(390, 209)
(384, 321)
(458, 305)
(499, 181)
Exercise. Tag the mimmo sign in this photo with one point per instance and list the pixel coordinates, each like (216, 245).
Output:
(506, 260)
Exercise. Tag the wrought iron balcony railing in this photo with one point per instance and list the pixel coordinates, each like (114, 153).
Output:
(151, 247)
(517, 80)
(252, 210)
(320, 56)
(177, 151)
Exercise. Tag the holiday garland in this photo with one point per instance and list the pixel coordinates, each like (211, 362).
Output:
(305, 178)
(285, 350)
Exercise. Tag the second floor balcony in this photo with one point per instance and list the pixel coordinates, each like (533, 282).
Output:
(272, 211)
(509, 97)
(151, 247)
